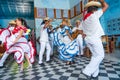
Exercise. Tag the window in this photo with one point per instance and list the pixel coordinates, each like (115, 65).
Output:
(72, 12)
(50, 13)
(78, 9)
(58, 13)
(65, 13)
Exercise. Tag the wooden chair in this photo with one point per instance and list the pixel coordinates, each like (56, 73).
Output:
(112, 44)
(105, 41)
(87, 52)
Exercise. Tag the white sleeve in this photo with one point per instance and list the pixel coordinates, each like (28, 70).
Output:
(73, 29)
(99, 13)
(80, 26)
(41, 29)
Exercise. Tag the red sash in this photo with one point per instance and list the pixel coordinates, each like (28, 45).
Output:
(87, 15)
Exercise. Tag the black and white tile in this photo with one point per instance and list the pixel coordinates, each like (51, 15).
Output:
(58, 70)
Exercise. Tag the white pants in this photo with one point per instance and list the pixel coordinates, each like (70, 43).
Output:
(44, 45)
(80, 42)
(51, 45)
(96, 48)
(4, 57)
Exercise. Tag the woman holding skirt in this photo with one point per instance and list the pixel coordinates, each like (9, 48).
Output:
(67, 47)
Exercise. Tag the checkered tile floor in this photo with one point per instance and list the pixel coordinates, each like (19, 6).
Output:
(58, 70)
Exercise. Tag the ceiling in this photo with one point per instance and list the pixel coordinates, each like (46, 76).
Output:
(16, 8)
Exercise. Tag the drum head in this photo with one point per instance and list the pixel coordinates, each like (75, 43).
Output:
(2, 49)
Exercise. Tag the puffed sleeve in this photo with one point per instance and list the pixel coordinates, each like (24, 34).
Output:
(67, 28)
(99, 13)
(23, 28)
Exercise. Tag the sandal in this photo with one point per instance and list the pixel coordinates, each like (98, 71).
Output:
(68, 63)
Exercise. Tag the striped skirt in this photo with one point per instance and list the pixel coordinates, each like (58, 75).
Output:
(66, 52)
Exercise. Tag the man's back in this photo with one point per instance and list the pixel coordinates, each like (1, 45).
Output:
(91, 25)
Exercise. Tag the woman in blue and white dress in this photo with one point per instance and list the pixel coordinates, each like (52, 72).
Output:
(68, 47)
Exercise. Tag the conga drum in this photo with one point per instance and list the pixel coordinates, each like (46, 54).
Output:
(2, 49)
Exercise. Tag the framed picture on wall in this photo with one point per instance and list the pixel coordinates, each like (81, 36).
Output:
(50, 13)
(78, 9)
(65, 13)
(58, 13)
(41, 12)
(72, 12)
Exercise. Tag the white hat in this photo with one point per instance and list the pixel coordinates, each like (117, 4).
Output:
(46, 19)
(93, 3)
(12, 22)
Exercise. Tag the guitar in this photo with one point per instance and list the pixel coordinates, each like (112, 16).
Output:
(76, 33)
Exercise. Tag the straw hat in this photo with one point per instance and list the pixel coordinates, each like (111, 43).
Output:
(46, 19)
(77, 21)
(93, 3)
(69, 22)
(60, 24)
(12, 22)
(70, 25)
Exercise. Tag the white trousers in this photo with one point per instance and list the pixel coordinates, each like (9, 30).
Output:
(96, 48)
(44, 45)
(80, 43)
(51, 45)
(4, 57)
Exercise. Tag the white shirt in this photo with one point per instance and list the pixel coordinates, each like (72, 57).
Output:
(43, 34)
(91, 26)
(77, 28)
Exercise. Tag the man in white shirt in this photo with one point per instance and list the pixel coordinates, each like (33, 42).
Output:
(79, 37)
(93, 30)
(44, 42)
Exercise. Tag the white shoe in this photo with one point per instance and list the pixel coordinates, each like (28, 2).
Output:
(29, 67)
(1, 65)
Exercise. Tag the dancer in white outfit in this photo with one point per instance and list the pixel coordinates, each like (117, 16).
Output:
(44, 42)
(16, 43)
(93, 30)
(79, 37)
(11, 26)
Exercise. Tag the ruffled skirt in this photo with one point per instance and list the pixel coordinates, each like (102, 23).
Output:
(66, 52)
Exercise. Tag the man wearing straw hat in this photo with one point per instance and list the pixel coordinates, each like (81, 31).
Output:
(44, 41)
(93, 30)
